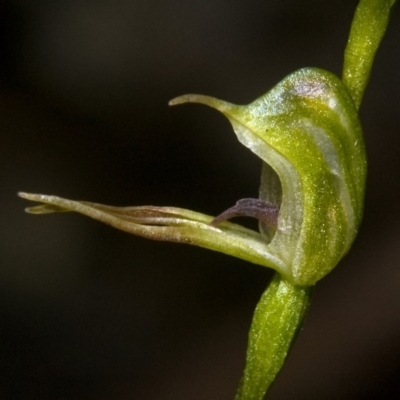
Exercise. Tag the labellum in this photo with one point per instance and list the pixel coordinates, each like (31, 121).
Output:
(262, 210)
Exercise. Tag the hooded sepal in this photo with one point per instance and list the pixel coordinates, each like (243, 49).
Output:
(307, 130)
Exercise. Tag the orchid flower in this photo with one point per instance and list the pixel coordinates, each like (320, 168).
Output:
(307, 133)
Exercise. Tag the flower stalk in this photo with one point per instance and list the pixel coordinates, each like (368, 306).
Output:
(369, 25)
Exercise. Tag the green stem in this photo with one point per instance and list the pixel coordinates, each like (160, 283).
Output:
(276, 320)
(369, 25)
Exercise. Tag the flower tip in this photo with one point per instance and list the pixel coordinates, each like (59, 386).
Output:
(201, 99)
(32, 197)
(46, 208)
(23, 195)
(192, 98)
(179, 100)
(34, 210)
(28, 196)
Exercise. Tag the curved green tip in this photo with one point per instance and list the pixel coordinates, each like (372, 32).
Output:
(220, 105)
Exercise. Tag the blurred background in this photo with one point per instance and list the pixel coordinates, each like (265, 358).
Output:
(88, 312)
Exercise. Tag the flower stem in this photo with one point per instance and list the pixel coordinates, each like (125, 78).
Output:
(276, 321)
(369, 25)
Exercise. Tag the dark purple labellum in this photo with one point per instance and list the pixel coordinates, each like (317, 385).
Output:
(262, 210)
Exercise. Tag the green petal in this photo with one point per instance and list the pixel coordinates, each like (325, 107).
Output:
(169, 224)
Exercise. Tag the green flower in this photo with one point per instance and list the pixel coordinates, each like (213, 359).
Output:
(307, 133)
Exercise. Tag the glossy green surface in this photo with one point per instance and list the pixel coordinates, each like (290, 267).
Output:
(306, 128)
(276, 320)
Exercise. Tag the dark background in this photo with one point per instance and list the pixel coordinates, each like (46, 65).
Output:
(88, 312)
